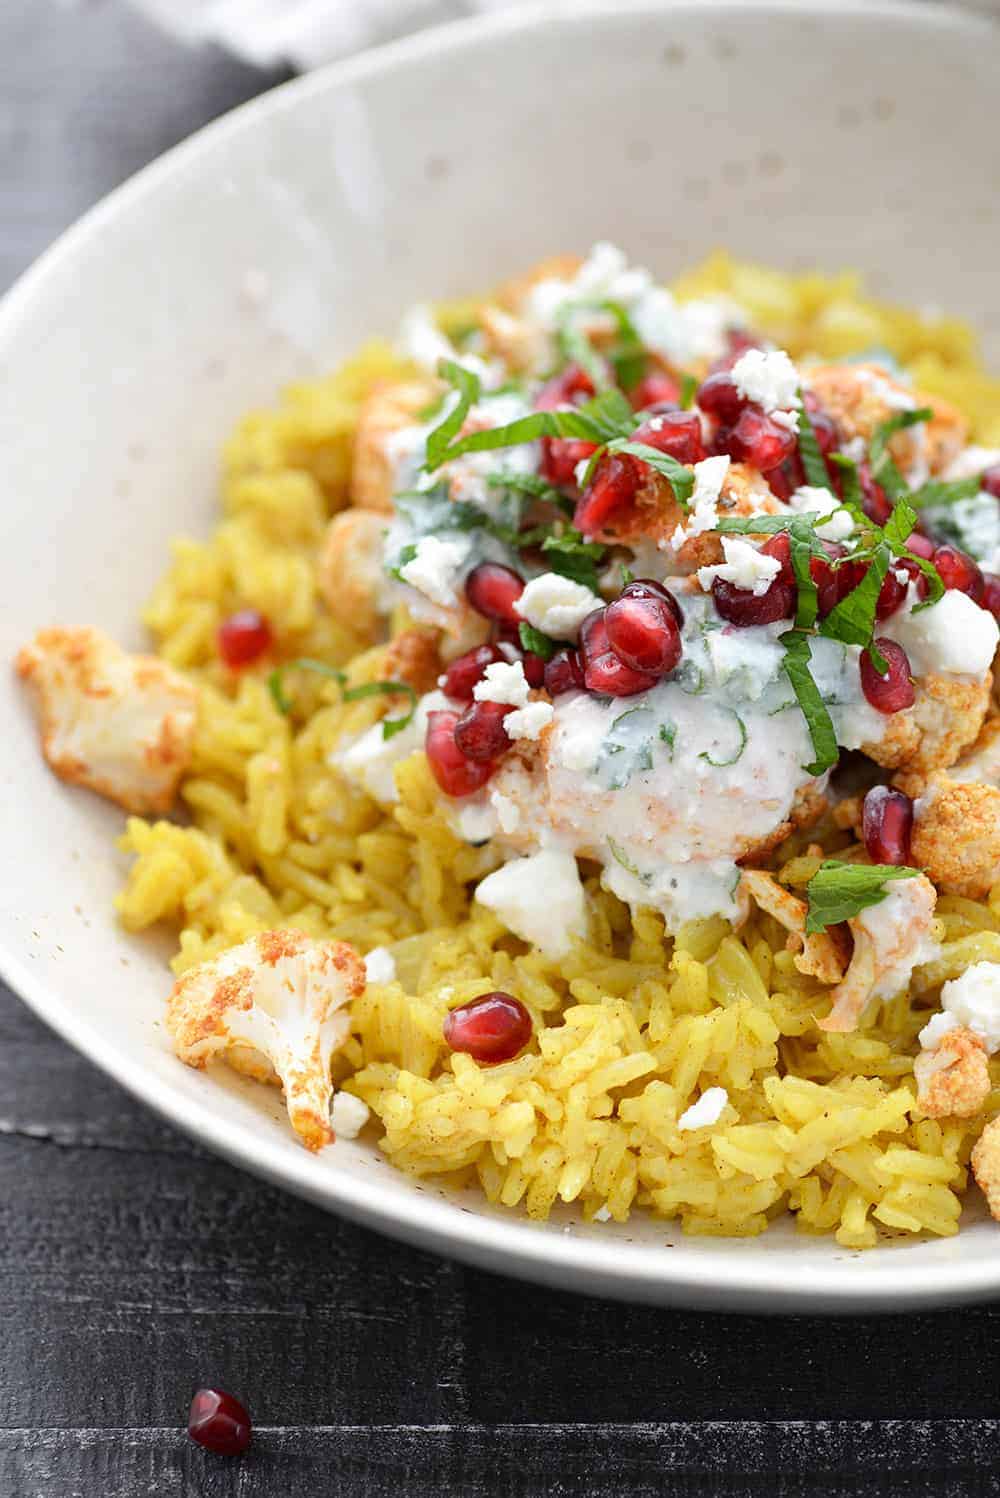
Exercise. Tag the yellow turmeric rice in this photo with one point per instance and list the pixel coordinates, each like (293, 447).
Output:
(633, 1025)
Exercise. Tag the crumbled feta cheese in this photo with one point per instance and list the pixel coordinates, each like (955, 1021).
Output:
(527, 722)
(508, 812)
(348, 1115)
(503, 683)
(810, 499)
(602, 1214)
(539, 898)
(435, 568)
(768, 378)
(954, 636)
(380, 965)
(706, 1111)
(370, 761)
(787, 419)
(972, 1000)
(709, 477)
(744, 567)
(556, 605)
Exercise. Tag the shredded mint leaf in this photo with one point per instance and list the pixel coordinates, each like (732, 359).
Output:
(627, 748)
(818, 721)
(852, 620)
(533, 640)
(406, 556)
(531, 485)
(573, 557)
(720, 764)
(467, 384)
(884, 470)
(390, 726)
(688, 387)
(680, 479)
(601, 419)
(628, 353)
(944, 492)
(619, 855)
(668, 736)
(838, 891)
(576, 347)
(809, 451)
(850, 485)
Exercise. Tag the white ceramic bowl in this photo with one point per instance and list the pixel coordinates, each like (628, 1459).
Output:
(265, 248)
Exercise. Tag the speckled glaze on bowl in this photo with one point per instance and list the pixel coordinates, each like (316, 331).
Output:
(263, 249)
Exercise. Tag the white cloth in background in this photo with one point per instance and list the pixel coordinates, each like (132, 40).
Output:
(304, 33)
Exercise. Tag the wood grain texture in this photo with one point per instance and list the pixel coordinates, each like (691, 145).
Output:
(135, 1266)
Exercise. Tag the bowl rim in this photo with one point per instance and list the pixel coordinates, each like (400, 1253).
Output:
(614, 1268)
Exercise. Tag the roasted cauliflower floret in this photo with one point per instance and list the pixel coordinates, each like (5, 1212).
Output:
(349, 569)
(822, 954)
(387, 410)
(276, 1009)
(890, 940)
(953, 1079)
(986, 1165)
(860, 397)
(121, 724)
(945, 719)
(956, 836)
(414, 657)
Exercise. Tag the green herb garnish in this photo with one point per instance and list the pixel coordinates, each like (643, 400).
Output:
(809, 451)
(533, 640)
(468, 387)
(720, 764)
(838, 891)
(883, 468)
(680, 479)
(798, 654)
(390, 726)
(571, 556)
(687, 393)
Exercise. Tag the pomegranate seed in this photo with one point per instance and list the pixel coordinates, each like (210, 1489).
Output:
(780, 546)
(956, 570)
(533, 667)
(463, 673)
(564, 389)
(719, 397)
(560, 455)
(744, 608)
(892, 692)
(991, 594)
(219, 1422)
(563, 673)
(892, 594)
(829, 580)
(643, 634)
(603, 672)
(759, 441)
(646, 587)
(677, 433)
(611, 490)
(493, 589)
(920, 545)
(874, 501)
(886, 822)
(243, 638)
(655, 389)
(456, 775)
(785, 479)
(827, 438)
(479, 732)
(990, 481)
(489, 1029)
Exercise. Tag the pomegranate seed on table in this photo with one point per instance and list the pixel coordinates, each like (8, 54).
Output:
(456, 775)
(603, 672)
(479, 732)
(611, 490)
(957, 571)
(490, 1029)
(892, 692)
(492, 589)
(643, 633)
(718, 397)
(655, 388)
(990, 481)
(243, 638)
(465, 671)
(647, 587)
(759, 441)
(886, 824)
(677, 433)
(563, 673)
(219, 1422)
(991, 594)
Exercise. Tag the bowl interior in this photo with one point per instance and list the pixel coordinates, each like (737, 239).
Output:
(264, 250)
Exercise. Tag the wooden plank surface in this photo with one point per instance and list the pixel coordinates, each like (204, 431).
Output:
(134, 1266)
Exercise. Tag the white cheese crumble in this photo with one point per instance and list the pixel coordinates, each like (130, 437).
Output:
(435, 569)
(709, 477)
(504, 683)
(380, 966)
(811, 499)
(508, 812)
(348, 1115)
(768, 378)
(539, 898)
(556, 605)
(954, 636)
(972, 1000)
(744, 567)
(706, 1111)
(602, 1214)
(527, 722)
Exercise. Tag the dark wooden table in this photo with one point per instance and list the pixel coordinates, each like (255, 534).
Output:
(134, 1267)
